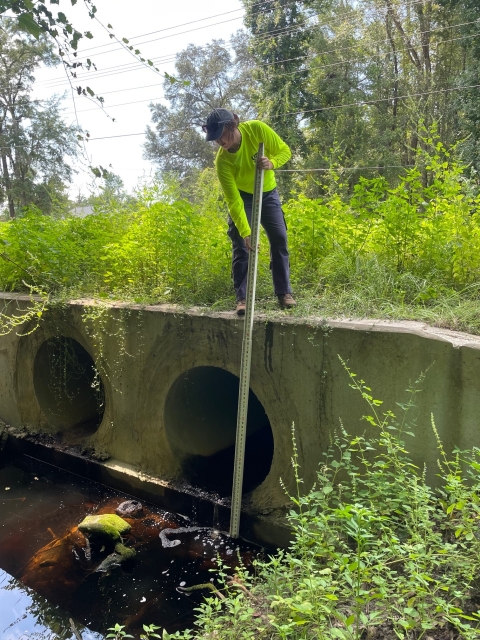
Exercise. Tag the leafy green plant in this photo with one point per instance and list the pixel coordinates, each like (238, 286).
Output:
(377, 553)
(149, 631)
(397, 251)
(118, 632)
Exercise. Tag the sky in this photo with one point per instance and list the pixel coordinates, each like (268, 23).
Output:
(159, 30)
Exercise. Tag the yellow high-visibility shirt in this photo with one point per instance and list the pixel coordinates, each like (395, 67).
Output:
(236, 171)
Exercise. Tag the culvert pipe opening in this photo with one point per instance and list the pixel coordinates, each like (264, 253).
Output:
(200, 421)
(67, 385)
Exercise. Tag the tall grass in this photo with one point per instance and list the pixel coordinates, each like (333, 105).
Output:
(410, 251)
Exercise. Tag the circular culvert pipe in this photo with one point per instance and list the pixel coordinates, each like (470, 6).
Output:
(200, 422)
(68, 390)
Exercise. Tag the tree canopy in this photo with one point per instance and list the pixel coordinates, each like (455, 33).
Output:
(216, 75)
(34, 140)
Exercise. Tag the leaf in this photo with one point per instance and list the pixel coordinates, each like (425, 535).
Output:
(27, 22)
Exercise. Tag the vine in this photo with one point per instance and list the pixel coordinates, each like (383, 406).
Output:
(18, 317)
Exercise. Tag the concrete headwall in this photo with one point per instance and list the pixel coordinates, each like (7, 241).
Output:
(167, 377)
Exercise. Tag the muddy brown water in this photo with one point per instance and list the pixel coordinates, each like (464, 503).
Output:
(47, 575)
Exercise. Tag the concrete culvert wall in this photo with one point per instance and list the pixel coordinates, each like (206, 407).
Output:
(67, 390)
(200, 422)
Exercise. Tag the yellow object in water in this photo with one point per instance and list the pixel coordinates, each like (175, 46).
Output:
(106, 525)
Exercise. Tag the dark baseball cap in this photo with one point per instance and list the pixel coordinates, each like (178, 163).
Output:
(216, 120)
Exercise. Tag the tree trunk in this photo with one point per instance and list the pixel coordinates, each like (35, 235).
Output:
(8, 187)
(395, 69)
(6, 179)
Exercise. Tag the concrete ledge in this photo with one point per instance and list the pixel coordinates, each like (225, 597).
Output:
(143, 352)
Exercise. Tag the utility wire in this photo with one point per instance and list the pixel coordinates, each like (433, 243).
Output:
(365, 103)
(315, 26)
(340, 106)
(213, 24)
(168, 58)
(386, 40)
(278, 76)
(124, 135)
(131, 66)
(173, 35)
(122, 104)
(177, 26)
(94, 75)
(360, 60)
(385, 166)
(266, 35)
(324, 108)
(134, 66)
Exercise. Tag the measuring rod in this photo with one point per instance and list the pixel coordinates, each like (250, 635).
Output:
(246, 353)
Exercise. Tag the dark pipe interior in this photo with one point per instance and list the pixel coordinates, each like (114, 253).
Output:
(68, 390)
(200, 418)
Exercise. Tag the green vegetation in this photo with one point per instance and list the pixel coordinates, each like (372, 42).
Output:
(35, 142)
(377, 553)
(403, 251)
(367, 76)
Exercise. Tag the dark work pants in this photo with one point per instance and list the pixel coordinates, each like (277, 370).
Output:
(274, 224)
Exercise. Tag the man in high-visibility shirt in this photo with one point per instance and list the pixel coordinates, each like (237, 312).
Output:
(235, 164)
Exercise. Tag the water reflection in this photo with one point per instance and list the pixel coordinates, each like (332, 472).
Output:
(40, 545)
(25, 615)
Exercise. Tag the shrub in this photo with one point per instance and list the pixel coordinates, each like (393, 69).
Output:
(376, 553)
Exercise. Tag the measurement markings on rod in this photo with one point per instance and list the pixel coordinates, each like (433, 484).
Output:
(244, 388)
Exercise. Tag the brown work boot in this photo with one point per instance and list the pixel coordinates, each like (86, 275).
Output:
(286, 301)
(241, 305)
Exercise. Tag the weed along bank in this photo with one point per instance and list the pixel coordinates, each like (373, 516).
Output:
(148, 397)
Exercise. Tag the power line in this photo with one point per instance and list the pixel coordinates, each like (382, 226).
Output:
(138, 65)
(108, 44)
(122, 135)
(122, 104)
(290, 29)
(328, 24)
(324, 108)
(385, 166)
(278, 76)
(168, 58)
(132, 66)
(365, 103)
(143, 35)
(320, 53)
(359, 60)
(173, 35)
(340, 106)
